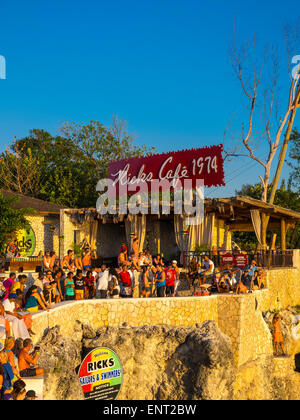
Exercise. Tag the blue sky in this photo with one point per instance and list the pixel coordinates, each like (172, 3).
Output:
(162, 66)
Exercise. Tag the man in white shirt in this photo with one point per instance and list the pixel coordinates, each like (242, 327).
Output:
(102, 283)
(18, 325)
(208, 270)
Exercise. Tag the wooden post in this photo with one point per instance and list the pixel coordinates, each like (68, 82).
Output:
(283, 234)
(273, 242)
(283, 240)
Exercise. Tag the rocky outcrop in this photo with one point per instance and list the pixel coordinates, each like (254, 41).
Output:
(59, 357)
(159, 362)
(162, 362)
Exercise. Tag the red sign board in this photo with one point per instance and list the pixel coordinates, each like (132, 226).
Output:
(241, 260)
(205, 163)
(228, 259)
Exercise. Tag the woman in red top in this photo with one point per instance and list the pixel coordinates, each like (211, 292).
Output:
(125, 283)
(170, 280)
(89, 285)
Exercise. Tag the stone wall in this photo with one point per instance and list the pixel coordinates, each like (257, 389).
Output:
(46, 239)
(283, 289)
(238, 316)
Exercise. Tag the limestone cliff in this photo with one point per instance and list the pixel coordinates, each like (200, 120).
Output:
(163, 362)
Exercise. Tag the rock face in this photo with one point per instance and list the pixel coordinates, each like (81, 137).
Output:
(162, 362)
(159, 362)
(59, 356)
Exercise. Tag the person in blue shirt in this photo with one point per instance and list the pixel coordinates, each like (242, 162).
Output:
(160, 279)
(249, 274)
(7, 376)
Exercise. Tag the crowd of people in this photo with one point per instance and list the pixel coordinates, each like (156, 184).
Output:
(206, 278)
(18, 361)
(137, 274)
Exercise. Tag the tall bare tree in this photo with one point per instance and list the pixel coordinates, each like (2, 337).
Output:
(267, 120)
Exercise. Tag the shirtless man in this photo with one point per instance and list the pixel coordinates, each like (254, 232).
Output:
(67, 262)
(27, 362)
(87, 260)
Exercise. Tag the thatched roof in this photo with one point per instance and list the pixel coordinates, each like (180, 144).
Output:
(25, 201)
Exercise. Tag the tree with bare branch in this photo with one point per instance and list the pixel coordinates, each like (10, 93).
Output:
(269, 124)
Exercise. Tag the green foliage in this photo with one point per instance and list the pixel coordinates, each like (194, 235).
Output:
(11, 220)
(201, 248)
(297, 308)
(77, 250)
(68, 167)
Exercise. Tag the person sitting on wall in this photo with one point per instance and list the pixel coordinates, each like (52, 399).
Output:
(232, 280)
(6, 375)
(257, 281)
(47, 292)
(209, 268)
(18, 311)
(4, 324)
(39, 283)
(18, 325)
(223, 284)
(28, 362)
(20, 283)
(192, 274)
(33, 300)
(12, 360)
(8, 284)
(241, 288)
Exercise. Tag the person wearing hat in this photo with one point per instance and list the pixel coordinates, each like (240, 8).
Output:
(249, 274)
(30, 395)
(18, 324)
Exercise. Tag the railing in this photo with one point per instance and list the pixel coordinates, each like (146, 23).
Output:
(266, 259)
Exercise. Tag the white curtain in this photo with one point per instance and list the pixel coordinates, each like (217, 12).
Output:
(201, 232)
(256, 222)
(181, 240)
(93, 234)
(136, 224)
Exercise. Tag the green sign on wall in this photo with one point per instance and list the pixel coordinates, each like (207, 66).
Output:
(26, 242)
